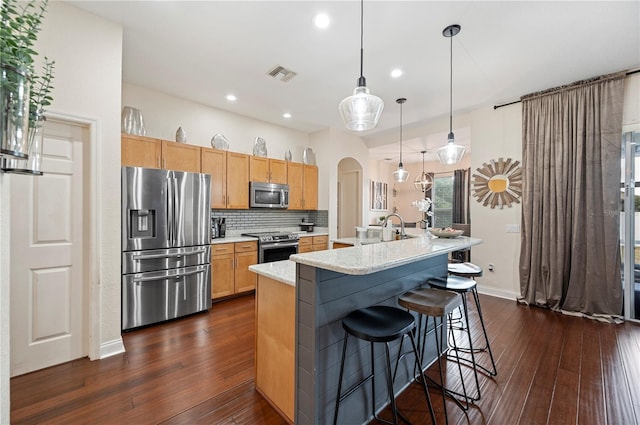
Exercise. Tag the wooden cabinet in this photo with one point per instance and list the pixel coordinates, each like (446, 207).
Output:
(246, 255)
(337, 245)
(305, 244)
(313, 243)
(180, 157)
(303, 186)
(229, 178)
(140, 151)
(320, 243)
(230, 268)
(268, 170)
(310, 185)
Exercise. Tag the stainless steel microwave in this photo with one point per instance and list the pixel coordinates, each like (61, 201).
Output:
(268, 195)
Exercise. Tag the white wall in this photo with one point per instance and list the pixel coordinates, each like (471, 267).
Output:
(332, 145)
(496, 134)
(88, 52)
(163, 114)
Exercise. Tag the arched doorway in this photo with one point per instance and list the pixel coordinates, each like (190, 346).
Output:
(349, 197)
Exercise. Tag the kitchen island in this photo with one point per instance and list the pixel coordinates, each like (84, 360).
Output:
(329, 285)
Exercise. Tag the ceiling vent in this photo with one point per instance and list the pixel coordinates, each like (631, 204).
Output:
(281, 73)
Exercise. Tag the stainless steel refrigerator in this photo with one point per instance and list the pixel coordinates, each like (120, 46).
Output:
(166, 251)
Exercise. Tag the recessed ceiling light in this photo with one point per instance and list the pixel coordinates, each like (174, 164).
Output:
(321, 20)
(286, 115)
(231, 97)
(396, 73)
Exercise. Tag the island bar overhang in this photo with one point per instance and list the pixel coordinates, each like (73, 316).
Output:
(324, 297)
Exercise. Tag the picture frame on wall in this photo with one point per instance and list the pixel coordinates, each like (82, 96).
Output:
(378, 196)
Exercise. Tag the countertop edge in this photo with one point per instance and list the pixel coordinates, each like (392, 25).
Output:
(282, 271)
(373, 258)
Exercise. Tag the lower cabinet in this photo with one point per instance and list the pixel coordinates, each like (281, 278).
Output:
(337, 245)
(230, 268)
(313, 243)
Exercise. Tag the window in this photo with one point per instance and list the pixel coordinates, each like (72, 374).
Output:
(443, 201)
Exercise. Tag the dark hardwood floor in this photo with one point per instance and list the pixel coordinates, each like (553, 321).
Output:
(552, 369)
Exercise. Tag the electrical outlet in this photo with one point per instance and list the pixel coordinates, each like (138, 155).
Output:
(513, 228)
(490, 267)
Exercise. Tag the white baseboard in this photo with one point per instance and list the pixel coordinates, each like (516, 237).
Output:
(496, 292)
(111, 348)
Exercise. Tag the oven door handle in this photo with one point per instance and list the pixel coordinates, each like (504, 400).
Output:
(278, 244)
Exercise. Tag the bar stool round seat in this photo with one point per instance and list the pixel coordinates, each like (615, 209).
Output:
(453, 283)
(469, 270)
(379, 324)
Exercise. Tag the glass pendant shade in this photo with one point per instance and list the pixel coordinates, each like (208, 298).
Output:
(400, 175)
(450, 153)
(361, 111)
(424, 181)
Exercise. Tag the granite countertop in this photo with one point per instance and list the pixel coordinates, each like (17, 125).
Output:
(236, 235)
(283, 271)
(371, 258)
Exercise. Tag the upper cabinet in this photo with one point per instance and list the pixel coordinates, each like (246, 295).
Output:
(229, 178)
(268, 170)
(140, 151)
(230, 172)
(303, 186)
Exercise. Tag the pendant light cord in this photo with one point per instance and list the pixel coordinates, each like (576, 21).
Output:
(401, 132)
(451, 85)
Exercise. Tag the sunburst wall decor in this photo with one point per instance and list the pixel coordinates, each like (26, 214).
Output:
(498, 183)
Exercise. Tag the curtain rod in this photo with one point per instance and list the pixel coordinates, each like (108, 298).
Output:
(518, 101)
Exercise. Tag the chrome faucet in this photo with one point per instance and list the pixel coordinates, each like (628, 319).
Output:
(384, 224)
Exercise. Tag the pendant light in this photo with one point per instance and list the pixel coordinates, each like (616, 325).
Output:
(400, 175)
(451, 152)
(361, 111)
(424, 181)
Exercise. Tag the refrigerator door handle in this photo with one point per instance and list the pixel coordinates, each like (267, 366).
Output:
(170, 207)
(154, 256)
(173, 276)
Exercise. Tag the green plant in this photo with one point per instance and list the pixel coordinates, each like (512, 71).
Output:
(20, 24)
(40, 94)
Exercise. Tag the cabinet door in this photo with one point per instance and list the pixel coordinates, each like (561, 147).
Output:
(278, 171)
(320, 243)
(180, 157)
(222, 275)
(259, 169)
(139, 151)
(295, 175)
(214, 162)
(237, 181)
(310, 192)
(245, 279)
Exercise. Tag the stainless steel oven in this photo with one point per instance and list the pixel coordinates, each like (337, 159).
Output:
(275, 246)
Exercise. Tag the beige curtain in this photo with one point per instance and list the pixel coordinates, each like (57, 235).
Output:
(570, 252)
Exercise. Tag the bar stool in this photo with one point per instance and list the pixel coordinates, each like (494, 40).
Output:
(435, 303)
(379, 324)
(472, 271)
(463, 285)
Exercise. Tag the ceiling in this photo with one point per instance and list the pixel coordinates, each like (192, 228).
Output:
(204, 50)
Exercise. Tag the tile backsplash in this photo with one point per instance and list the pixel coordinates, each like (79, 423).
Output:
(269, 219)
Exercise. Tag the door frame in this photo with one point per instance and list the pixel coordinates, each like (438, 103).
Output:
(628, 238)
(92, 202)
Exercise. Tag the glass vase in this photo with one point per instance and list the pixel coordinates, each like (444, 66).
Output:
(32, 164)
(14, 111)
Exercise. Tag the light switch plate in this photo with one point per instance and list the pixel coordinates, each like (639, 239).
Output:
(513, 228)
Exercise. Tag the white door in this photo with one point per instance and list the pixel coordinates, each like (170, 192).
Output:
(49, 266)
